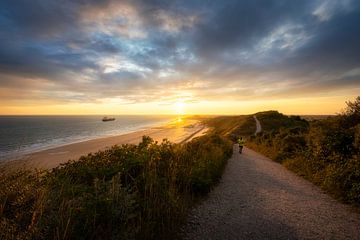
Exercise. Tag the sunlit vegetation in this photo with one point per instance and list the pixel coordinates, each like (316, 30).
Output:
(272, 121)
(232, 126)
(139, 191)
(326, 151)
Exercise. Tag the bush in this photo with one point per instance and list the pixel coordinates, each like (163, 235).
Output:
(129, 191)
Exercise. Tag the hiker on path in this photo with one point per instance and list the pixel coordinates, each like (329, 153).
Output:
(241, 143)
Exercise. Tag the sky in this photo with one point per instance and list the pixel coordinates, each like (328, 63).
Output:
(178, 57)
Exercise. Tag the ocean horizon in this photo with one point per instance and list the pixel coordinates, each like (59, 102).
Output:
(21, 135)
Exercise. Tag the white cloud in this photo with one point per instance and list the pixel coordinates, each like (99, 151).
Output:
(116, 64)
(166, 73)
(326, 9)
(285, 37)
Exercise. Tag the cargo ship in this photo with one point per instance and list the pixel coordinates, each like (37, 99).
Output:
(107, 119)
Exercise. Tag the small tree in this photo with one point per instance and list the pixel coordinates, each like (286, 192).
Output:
(352, 113)
(353, 108)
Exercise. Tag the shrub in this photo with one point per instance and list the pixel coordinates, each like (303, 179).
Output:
(130, 191)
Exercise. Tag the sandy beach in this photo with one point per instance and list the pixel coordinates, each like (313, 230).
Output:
(176, 132)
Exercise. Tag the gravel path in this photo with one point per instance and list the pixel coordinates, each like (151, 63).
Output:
(260, 199)
(258, 125)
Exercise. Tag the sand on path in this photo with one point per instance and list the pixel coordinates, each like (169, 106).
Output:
(47, 159)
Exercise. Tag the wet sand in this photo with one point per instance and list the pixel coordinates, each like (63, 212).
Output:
(175, 132)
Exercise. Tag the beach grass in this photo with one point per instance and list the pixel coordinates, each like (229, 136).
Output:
(130, 191)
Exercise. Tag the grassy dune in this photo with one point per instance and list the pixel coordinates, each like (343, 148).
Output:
(326, 151)
(127, 192)
(233, 126)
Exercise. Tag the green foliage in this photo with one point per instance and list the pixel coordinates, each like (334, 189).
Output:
(273, 121)
(324, 151)
(352, 113)
(127, 192)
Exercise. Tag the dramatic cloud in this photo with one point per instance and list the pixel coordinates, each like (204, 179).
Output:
(153, 50)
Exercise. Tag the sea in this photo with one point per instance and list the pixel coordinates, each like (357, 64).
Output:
(20, 135)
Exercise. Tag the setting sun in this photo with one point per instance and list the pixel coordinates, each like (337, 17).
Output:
(180, 108)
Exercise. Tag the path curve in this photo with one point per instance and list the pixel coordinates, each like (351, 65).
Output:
(258, 198)
(258, 125)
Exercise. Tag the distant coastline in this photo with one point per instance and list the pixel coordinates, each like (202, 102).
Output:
(51, 157)
(31, 134)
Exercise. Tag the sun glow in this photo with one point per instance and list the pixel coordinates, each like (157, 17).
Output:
(180, 108)
(179, 120)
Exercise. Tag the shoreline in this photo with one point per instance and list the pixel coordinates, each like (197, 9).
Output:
(174, 131)
(31, 150)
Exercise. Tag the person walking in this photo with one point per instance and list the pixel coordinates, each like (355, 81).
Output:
(241, 143)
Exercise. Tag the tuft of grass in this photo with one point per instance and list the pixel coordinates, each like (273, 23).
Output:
(139, 191)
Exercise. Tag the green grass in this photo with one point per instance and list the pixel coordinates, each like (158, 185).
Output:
(127, 192)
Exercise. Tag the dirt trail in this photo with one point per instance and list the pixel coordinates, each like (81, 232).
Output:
(258, 198)
(258, 125)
